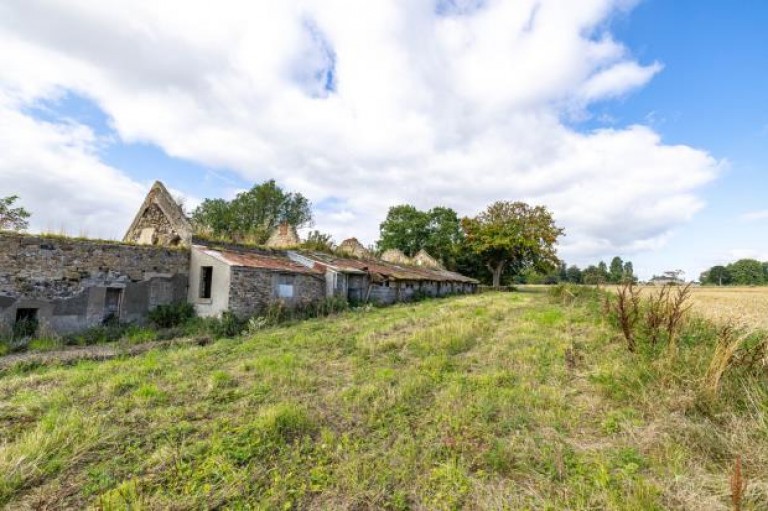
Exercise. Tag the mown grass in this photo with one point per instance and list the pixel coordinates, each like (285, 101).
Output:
(496, 401)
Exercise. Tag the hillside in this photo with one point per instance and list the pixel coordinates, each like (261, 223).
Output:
(482, 402)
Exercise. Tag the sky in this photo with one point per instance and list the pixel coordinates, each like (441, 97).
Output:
(643, 125)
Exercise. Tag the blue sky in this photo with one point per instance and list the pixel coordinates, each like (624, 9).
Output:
(644, 129)
(712, 94)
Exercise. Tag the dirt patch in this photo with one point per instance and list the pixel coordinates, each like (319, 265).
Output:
(74, 354)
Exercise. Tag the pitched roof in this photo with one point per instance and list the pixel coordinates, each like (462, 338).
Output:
(159, 196)
(284, 236)
(257, 260)
(352, 246)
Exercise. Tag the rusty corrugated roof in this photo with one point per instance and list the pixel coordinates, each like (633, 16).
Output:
(260, 261)
(388, 270)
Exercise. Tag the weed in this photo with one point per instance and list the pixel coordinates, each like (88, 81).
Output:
(626, 311)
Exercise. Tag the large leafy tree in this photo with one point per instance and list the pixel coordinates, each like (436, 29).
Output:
(12, 218)
(253, 214)
(747, 272)
(511, 236)
(438, 231)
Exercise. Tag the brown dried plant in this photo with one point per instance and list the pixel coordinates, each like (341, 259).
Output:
(656, 314)
(738, 484)
(678, 305)
(626, 309)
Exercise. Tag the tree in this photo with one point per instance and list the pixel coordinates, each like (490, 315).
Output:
(438, 231)
(12, 219)
(513, 236)
(718, 275)
(253, 214)
(616, 272)
(629, 272)
(746, 272)
(573, 274)
(593, 275)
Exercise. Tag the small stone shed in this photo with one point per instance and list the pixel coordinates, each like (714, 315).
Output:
(247, 281)
(382, 282)
(64, 285)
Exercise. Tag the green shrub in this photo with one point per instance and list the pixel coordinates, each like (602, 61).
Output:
(228, 325)
(172, 314)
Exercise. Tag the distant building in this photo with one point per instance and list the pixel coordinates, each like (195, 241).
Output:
(668, 277)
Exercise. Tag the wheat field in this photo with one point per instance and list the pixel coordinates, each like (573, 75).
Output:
(747, 305)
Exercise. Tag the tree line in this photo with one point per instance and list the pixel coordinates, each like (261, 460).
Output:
(617, 272)
(503, 240)
(744, 272)
(506, 239)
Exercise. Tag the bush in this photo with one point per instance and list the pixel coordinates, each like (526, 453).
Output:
(228, 325)
(172, 314)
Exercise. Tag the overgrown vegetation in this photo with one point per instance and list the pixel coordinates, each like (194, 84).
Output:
(166, 322)
(172, 315)
(500, 400)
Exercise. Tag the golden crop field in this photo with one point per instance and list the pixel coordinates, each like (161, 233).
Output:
(742, 304)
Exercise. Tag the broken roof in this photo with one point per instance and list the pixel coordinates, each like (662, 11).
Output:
(258, 260)
(388, 271)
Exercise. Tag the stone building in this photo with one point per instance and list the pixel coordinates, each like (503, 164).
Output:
(247, 281)
(395, 256)
(64, 285)
(160, 221)
(285, 236)
(422, 258)
(370, 280)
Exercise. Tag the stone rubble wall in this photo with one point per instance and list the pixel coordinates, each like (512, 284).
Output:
(252, 290)
(66, 279)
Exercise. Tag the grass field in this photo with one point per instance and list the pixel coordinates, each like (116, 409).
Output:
(496, 401)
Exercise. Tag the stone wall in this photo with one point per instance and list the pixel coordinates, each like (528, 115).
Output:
(252, 290)
(67, 280)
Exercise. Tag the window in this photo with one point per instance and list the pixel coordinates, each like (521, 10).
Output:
(206, 281)
(26, 323)
(285, 286)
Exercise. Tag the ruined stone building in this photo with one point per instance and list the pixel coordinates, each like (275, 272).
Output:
(65, 285)
(160, 221)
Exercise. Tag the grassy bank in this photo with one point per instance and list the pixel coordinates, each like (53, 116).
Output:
(483, 402)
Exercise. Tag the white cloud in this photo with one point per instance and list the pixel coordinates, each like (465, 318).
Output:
(753, 216)
(56, 171)
(458, 109)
